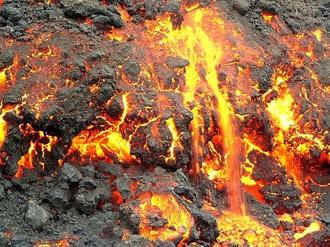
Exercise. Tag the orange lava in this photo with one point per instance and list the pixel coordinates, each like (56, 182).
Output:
(284, 110)
(107, 144)
(313, 227)
(281, 111)
(215, 52)
(38, 148)
(167, 207)
(50, 243)
(104, 2)
(175, 136)
(93, 144)
(2, 78)
(267, 17)
(242, 230)
(210, 44)
(202, 41)
(318, 34)
(116, 197)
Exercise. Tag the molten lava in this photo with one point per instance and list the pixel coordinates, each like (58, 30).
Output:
(60, 243)
(198, 41)
(93, 143)
(39, 147)
(251, 116)
(163, 217)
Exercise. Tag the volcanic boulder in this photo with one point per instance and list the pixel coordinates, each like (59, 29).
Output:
(36, 216)
(6, 58)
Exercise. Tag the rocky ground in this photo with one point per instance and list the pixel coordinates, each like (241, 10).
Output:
(56, 51)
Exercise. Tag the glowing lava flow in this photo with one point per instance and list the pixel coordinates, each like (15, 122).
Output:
(198, 41)
(95, 144)
(38, 149)
(61, 243)
(285, 111)
(280, 108)
(178, 223)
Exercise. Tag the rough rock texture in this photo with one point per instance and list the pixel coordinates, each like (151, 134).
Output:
(64, 73)
(70, 174)
(262, 212)
(36, 216)
(4, 240)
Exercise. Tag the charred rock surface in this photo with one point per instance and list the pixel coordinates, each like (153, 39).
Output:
(101, 17)
(297, 15)
(278, 192)
(70, 204)
(264, 213)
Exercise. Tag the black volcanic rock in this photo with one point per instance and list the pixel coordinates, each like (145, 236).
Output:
(176, 62)
(2, 192)
(259, 130)
(283, 198)
(266, 167)
(188, 192)
(70, 174)
(12, 117)
(59, 199)
(13, 146)
(325, 3)
(322, 69)
(132, 68)
(123, 184)
(11, 13)
(129, 218)
(134, 241)
(156, 221)
(79, 85)
(268, 6)
(144, 10)
(160, 243)
(96, 55)
(158, 144)
(172, 6)
(87, 183)
(110, 169)
(116, 107)
(71, 112)
(205, 222)
(14, 95)
(36, 216)
(107, 21)
(88, 171)
(4, 240)
(87, 8)
(6, 58)
(294, 25)
(263, 212)
(29, 116)
(242, 6)
(262, 76)
(87, 201)
(81, 8)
